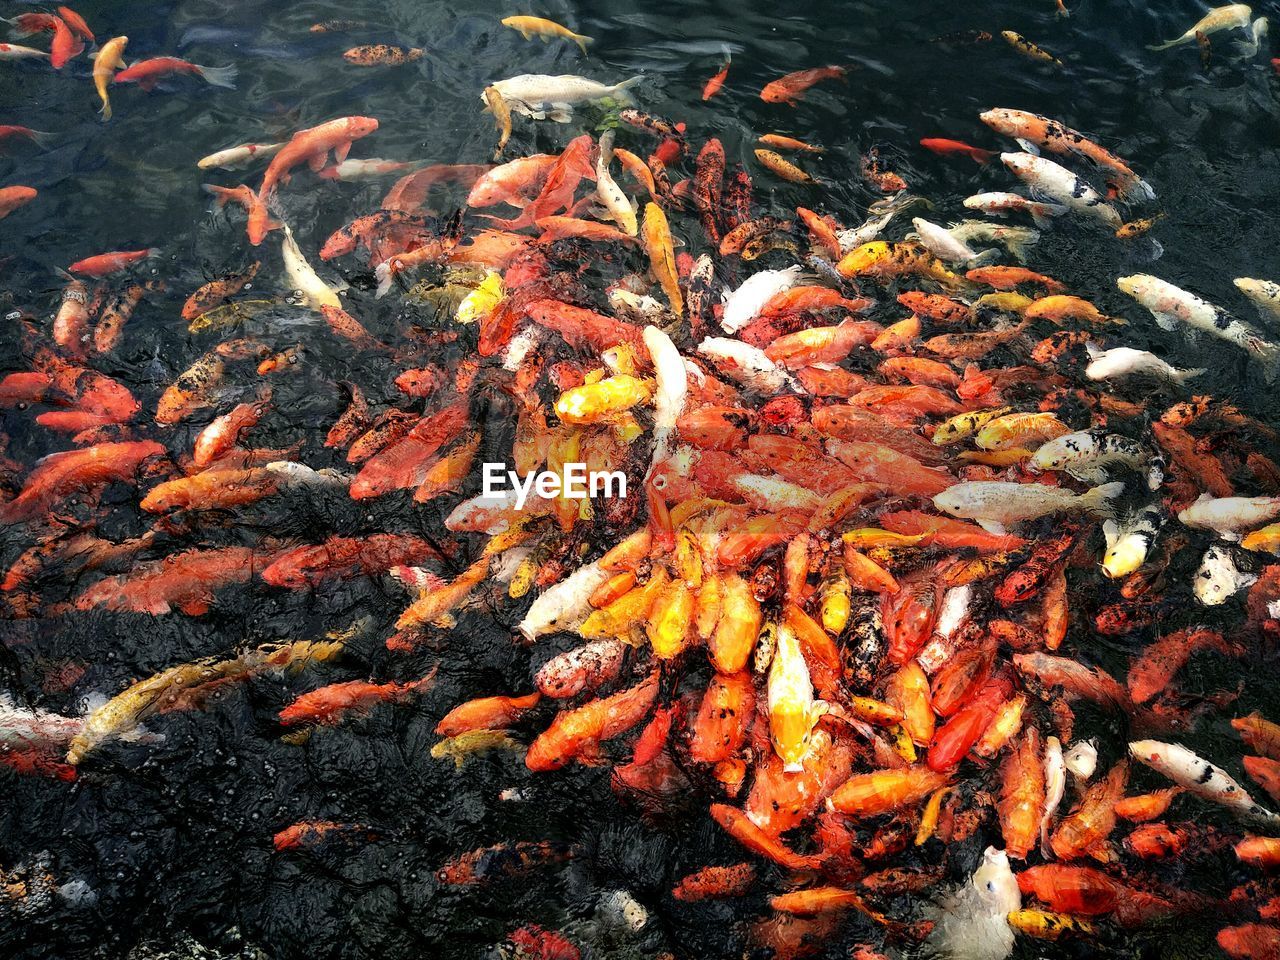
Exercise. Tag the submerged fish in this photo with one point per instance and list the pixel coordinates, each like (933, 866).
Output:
(1229, 17)
(545, 30)
(553, 97)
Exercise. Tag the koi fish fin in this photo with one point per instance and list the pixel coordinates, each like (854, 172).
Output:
(559, 113)
(318, 161)
(986, 257)
(1027, 146)
(220, 194)
(1166, 321)
(993, 526)
(622, 91)
(1098, 500)
(220, 76)
(582, 42)
(1168, 43)
(1044, 219)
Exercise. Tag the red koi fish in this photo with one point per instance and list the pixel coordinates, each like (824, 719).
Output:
(73, 471)
(147, 73)
(951, 148)
(342, 558)
(105, 264)
(187, 582)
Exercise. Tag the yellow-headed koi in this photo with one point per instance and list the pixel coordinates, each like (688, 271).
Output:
(995, 458)
(479, 303)
(110, 58)
(670, 619)
(1020, 430)
(497, 105)
(662, 255)
(965, 425)
(874, 537)
(546, 30)
(880, 258)
(793, 712)
(1045, 925)
(788, 143)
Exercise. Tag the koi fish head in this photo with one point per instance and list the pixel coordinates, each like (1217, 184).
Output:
(996, 883)
(1125, 555)
(866, 257)
(791, 729)
(361, 126)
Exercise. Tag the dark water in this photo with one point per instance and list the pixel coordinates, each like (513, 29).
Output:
(174, 839)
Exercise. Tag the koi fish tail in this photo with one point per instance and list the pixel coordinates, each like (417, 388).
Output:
(1168, 43)
(18, 31)
(1019, 249)
(582, 42)
(1098, 500)
(623, 90)
(1139, 189)
(220, 76)
(220, 194)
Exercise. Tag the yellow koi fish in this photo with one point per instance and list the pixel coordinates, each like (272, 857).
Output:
(662, 255)
(530, 27)
(109, 59)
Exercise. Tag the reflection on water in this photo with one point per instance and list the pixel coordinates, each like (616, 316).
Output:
(175, 852)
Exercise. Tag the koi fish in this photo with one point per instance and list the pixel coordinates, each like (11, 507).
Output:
(1229, 17)
(1199, 776)
(944, 147)
(716, 82)
(545, 30)
(110, 58)
(542, 97)
(791, 88)
(11, 198)
(147, 73)
(234, 158)
(105, 264)
(329, 705)
(382, 55)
